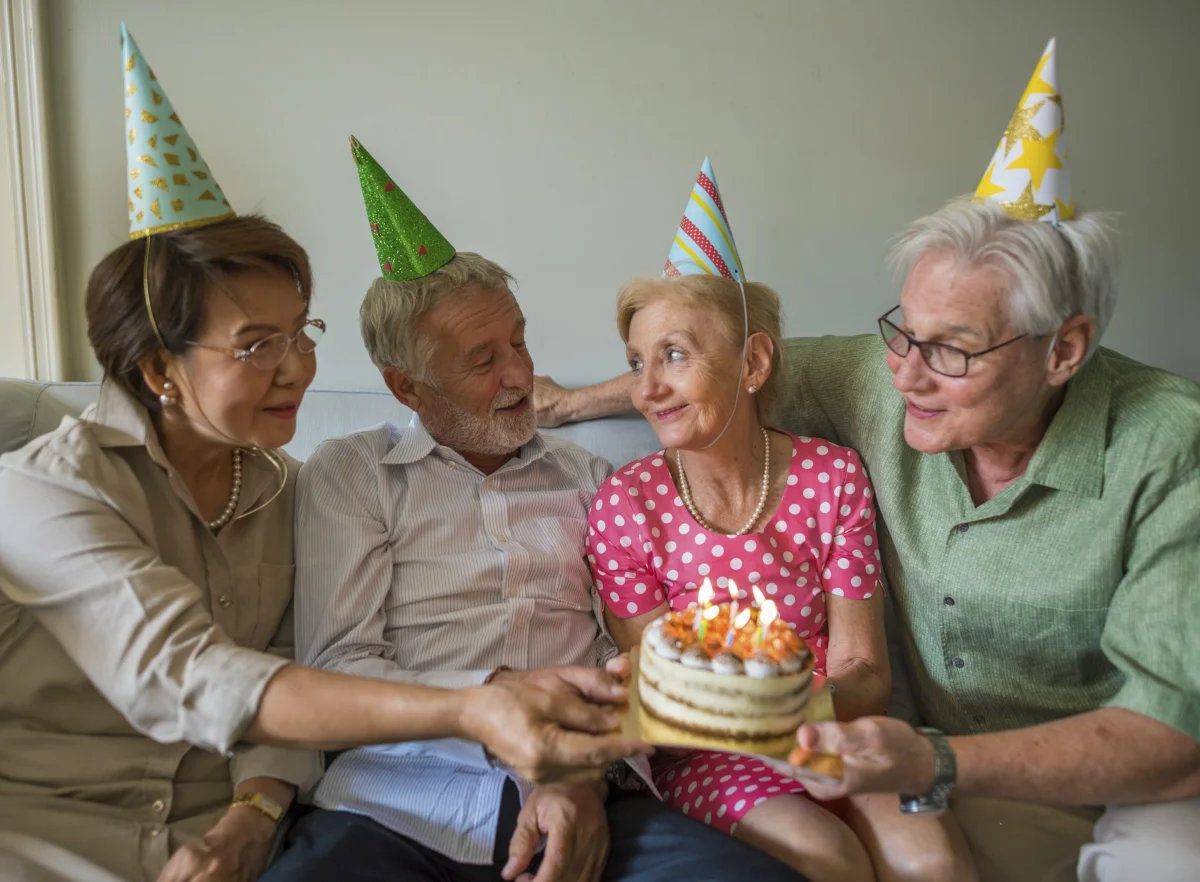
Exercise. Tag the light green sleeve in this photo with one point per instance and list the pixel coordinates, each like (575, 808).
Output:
(1152, 633)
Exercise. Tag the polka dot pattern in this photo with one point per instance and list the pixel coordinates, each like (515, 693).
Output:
(672, 554)
(718, 788)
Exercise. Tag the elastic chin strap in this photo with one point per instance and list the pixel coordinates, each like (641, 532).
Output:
(1050, 350)
(737, 385)
(273, 457)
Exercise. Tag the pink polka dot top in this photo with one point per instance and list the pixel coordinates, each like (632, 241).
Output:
(644, 546)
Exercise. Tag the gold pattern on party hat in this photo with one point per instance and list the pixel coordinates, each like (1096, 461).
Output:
(1028, 175)
(179, 189)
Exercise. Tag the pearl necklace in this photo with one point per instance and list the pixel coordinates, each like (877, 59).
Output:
(235, 493)
(686, 491)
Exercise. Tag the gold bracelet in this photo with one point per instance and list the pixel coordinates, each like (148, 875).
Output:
(260, 802)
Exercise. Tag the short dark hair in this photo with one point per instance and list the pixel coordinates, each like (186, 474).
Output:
(185, 266)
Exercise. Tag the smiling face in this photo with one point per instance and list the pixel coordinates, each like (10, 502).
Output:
(686, 371)
(1004, 393)
(482, 400)
(225, 399)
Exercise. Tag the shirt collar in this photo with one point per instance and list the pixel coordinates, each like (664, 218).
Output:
(416, 443)
(1071, 455)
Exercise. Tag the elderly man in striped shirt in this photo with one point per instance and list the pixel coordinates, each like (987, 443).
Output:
(449, 553)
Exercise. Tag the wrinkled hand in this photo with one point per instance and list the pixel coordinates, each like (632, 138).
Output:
(559, 732)
(607, 686)
(879, 755)
(572, 818)
(236, 849)
(550, 402)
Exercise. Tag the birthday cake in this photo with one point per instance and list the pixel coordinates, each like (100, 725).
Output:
(716, 671)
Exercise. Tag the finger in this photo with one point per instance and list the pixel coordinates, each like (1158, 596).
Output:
(588, 751)
(572, 712)
(826, 738)
(620, 667)
(522, 846)
(555, 858)
(595, 685)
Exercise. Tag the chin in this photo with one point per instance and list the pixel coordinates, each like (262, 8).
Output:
(274, 436)
(924, 441)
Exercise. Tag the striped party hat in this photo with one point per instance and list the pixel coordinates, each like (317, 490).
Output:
(170, 185)
(704, 242)
(1028, 176)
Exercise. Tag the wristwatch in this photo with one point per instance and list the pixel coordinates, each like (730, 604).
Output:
(262, 803)
(945, 774)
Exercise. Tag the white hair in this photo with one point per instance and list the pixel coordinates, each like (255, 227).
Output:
(391, 313)
(1054, 272)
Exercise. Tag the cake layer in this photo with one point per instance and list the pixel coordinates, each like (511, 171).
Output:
(724, 694)
(694, 718)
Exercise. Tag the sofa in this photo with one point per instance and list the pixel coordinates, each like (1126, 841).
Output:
(29, 409)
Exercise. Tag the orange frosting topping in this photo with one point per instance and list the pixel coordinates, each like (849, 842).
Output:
(781, 641)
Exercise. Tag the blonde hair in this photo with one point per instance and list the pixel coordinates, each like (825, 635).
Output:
(391, 313)
(724, 297)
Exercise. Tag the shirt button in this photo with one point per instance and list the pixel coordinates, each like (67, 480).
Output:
(958, 663)
(225, 600)
(158, 805)
(156, 830)
(979, 718)
(962, 528)
(949, 601)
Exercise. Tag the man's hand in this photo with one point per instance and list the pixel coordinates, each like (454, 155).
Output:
(879, 755)
(572, 818)
(559, 733)
(608, 686)
(551, 402)
(236, 849)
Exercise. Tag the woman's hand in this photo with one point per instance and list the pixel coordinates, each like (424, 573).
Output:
(551, 724)
(236, 849)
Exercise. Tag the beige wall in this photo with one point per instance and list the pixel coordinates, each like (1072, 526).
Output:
(14, 344)
(560, 137)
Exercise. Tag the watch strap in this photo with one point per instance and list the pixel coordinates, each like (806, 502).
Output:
(261, 803)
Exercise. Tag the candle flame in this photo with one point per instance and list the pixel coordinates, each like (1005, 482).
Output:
(742, 620)
(768, 614)
(759, 597)
(706, 593)
(712, 612)
(733, 591)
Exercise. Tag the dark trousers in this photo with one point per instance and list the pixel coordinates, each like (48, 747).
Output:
(649, 843)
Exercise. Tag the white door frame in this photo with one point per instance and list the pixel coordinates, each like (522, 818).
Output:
(27, 145)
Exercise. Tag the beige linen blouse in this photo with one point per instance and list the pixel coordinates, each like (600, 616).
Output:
(134, 644)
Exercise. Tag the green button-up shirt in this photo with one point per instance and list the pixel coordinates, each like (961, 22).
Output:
(1076, 587)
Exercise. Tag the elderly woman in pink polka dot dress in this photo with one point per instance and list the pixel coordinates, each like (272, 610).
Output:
(744, 505)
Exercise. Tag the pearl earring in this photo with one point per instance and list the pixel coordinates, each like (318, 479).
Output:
(167, 399)
(752, 389)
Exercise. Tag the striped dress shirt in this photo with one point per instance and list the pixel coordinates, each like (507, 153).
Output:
(414, 566)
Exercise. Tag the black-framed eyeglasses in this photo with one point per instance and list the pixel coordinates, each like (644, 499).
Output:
(269, 352)
(942, 358)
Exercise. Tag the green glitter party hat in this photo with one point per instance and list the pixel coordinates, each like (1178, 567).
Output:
(408, 245)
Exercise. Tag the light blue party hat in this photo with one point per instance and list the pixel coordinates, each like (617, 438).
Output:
(704, 242)
(170, 185)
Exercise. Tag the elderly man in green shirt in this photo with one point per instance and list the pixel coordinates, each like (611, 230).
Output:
(1040, 498)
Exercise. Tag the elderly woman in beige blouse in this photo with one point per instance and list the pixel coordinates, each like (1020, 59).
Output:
(146, 584)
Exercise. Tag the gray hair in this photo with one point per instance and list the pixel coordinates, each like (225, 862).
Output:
(1054, 272)
(391, 313)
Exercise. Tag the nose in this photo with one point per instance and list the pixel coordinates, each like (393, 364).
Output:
(650, 383)
(909, 372)
(517, 372)
(296, 368)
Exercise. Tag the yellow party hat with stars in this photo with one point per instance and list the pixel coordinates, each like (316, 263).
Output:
(1028, 176)
(170, 185)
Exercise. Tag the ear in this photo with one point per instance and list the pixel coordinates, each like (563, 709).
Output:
(405, 389)
(759, 352)
(1069, 350)
(155, 371)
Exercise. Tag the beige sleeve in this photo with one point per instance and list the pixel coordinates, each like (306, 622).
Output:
(139, 629)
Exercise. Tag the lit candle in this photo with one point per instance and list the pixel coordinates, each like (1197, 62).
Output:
(766, 615)
(743, 619)
(759, 597)
(704, 618)
(705, 597)
(734, 618)
(734, 594)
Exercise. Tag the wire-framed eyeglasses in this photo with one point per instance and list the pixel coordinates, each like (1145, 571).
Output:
(942, 358)
(269, 352)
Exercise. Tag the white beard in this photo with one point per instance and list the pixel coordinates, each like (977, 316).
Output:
(491, 436)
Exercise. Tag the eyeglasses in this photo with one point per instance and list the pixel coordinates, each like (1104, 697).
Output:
(269, 352)
(942, 358)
